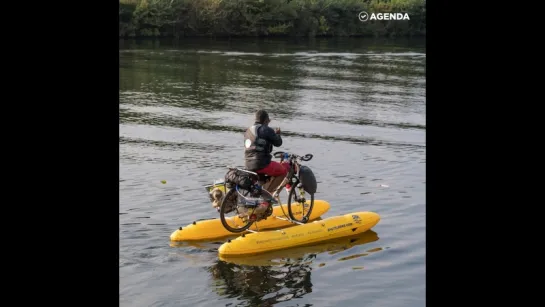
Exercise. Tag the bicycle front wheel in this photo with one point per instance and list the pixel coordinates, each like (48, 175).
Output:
(299, 208)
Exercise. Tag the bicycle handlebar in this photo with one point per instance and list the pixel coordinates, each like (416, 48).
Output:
(280, 154)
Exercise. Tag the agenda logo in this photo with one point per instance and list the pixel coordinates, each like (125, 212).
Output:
(364, 16)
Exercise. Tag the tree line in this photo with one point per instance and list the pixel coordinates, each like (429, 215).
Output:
(230, 18)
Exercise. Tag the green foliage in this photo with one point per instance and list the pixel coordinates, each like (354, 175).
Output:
(179, 18)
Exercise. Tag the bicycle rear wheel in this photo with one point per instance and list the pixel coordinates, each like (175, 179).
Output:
(298, 209)
(235, 224)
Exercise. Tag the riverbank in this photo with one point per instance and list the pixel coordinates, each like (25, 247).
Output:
(268, 18)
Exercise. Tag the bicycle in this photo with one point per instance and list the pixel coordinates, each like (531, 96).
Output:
(252, 203)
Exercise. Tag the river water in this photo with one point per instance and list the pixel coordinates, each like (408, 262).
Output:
(357, 105)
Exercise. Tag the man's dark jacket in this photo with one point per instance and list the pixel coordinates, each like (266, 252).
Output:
(256, 160)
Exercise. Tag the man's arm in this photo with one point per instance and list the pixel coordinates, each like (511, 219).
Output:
(272, 137)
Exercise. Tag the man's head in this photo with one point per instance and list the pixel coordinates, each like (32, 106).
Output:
(262, 117)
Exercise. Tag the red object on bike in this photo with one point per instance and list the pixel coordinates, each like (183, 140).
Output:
(275, 169)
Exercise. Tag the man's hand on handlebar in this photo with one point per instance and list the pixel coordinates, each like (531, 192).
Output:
(277, 130)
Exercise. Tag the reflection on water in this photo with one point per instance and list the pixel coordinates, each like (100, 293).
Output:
(261, 285)
(269, 278)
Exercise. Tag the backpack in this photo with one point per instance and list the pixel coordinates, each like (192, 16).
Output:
(242, 179)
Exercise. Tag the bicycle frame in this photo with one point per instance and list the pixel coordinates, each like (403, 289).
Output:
(294, 169)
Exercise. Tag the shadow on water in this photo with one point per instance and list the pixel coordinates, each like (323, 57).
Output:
(279, 276)
(209, 81)
(200, 125)
(211, 76)
(259, 45)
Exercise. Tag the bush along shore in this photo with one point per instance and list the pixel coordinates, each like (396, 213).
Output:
(308, 18)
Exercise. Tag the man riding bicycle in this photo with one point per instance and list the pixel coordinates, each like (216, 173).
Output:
(259, 140)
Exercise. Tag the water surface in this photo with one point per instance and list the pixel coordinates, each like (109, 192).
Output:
(358, 106)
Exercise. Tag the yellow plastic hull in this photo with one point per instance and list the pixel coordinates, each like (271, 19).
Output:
(296, 254)
(312, 232)
(213, 229)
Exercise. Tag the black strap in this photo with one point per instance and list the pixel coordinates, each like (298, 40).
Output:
(257, 132)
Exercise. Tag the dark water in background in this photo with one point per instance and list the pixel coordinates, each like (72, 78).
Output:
(358, 106)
